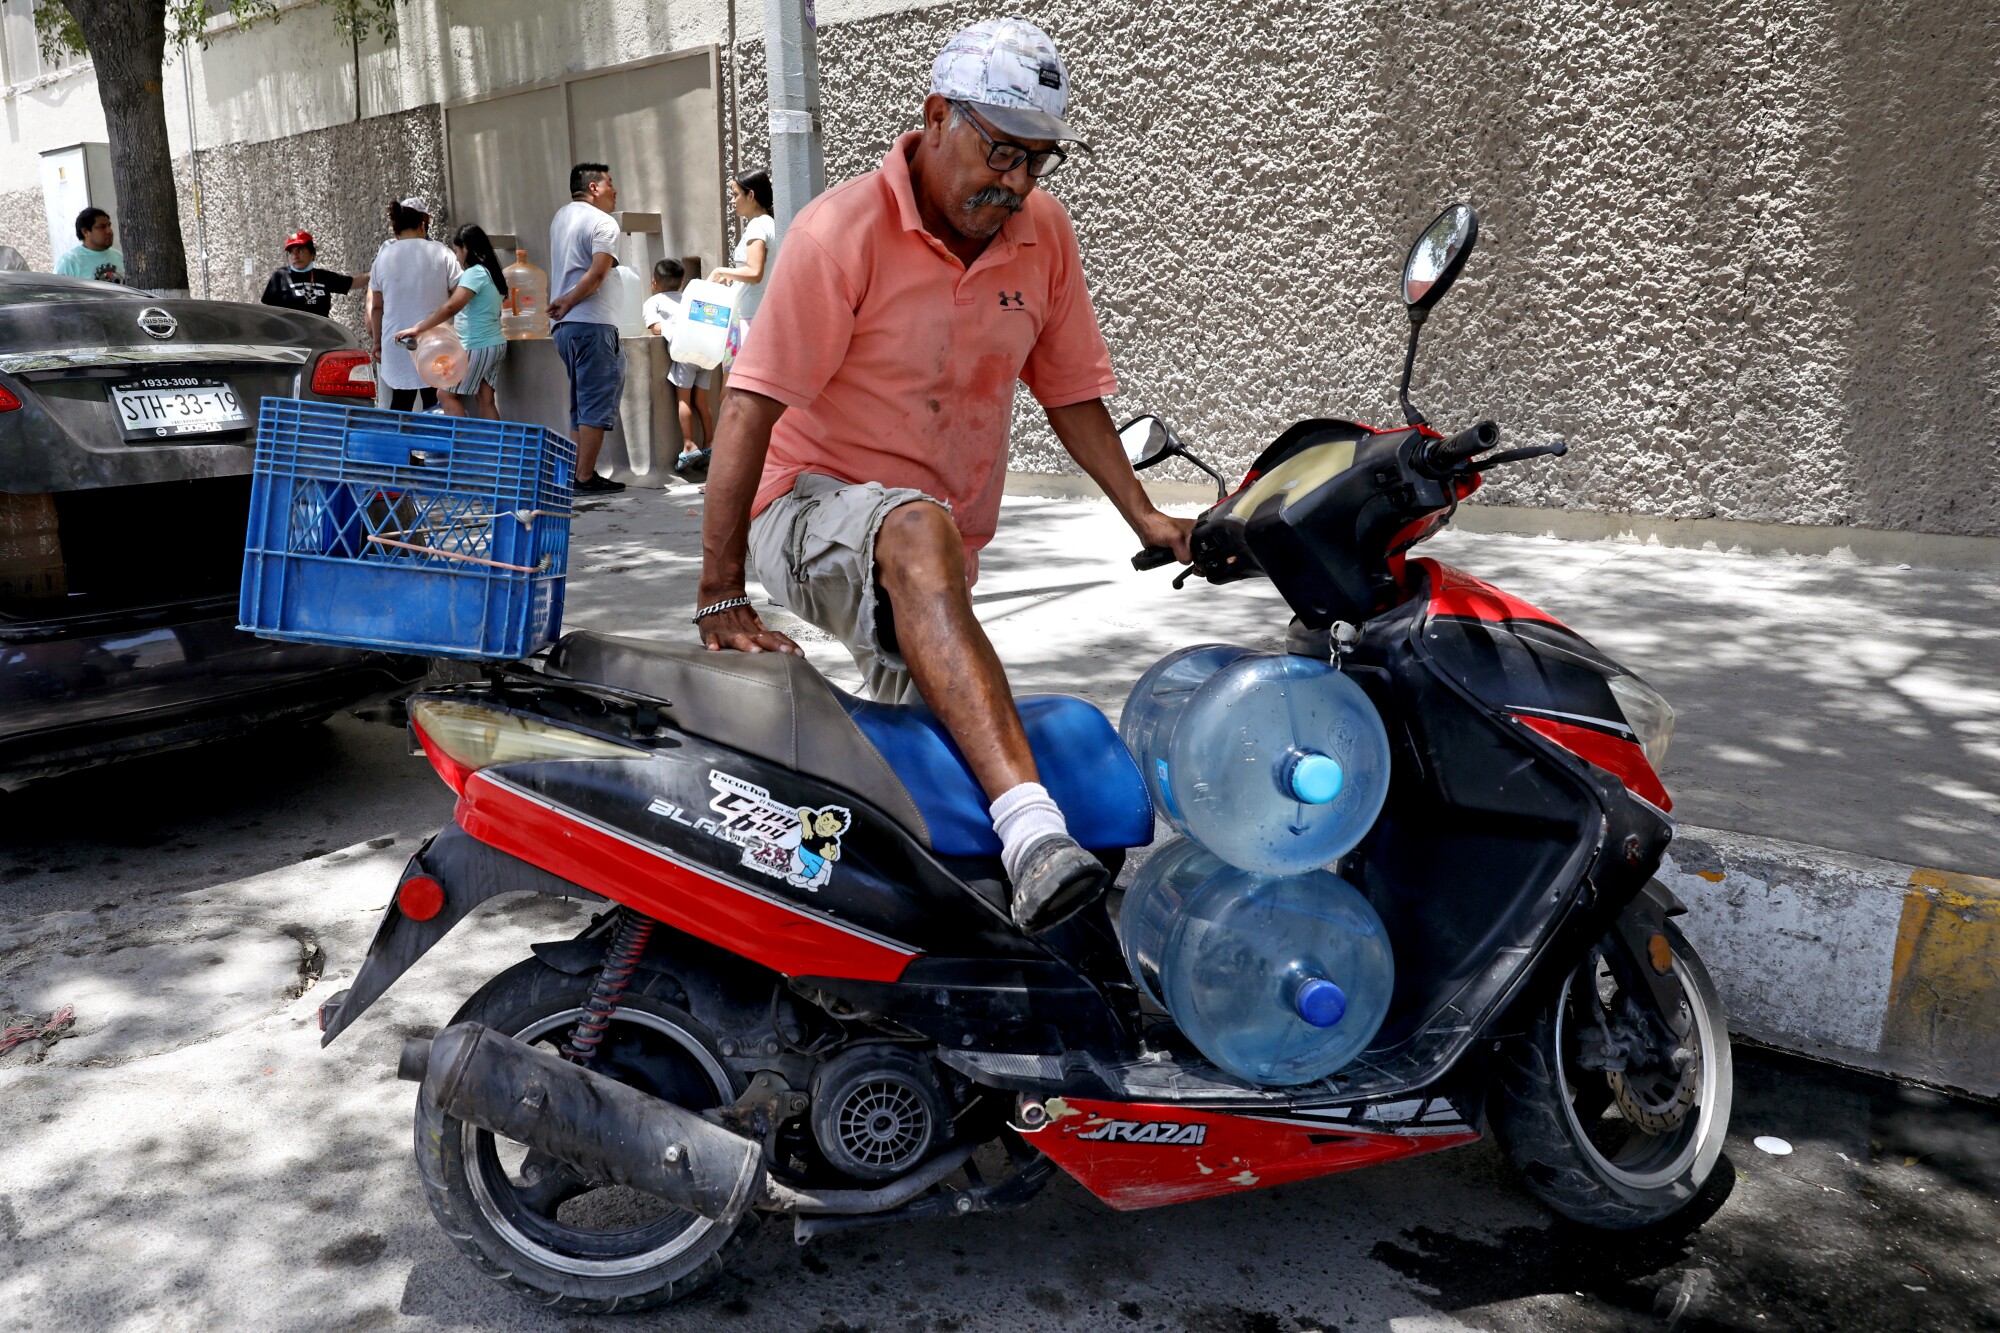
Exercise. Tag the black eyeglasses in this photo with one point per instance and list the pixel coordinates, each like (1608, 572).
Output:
(1003, 156)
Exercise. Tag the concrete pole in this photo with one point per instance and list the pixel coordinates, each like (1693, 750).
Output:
(791, 62)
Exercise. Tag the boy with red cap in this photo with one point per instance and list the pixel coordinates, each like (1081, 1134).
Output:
(299, 284)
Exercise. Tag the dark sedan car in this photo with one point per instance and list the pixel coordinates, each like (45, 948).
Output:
(127, 428)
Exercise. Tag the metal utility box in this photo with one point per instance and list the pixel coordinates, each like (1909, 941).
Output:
(73, 179)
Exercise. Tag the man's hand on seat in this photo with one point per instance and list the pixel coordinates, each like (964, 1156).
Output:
(1157, 529)
(739, 629)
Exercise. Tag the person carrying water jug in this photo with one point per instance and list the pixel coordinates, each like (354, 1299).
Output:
(857, 471)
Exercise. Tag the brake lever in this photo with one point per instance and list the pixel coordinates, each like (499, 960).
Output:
(1185, 575)
(1555, 449)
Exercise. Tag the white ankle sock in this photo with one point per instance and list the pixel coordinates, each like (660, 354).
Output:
(1022, 817)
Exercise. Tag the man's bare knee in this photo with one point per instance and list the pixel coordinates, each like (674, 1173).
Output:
(918, 547)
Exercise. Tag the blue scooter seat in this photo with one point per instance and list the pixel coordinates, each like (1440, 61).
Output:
(1083, 764)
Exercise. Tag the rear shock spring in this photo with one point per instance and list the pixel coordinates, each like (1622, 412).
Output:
(621, 960)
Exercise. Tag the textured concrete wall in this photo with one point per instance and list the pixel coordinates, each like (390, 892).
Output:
(334, 182)
(1742, 256)
(24, 226)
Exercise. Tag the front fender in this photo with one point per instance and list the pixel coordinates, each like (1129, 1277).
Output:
(470, 873)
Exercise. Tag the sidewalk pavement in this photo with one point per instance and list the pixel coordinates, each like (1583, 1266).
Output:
(1836, 758)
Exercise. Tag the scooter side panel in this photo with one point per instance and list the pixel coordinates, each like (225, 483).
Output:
(1136, 1155)
(756, 924)
(1524, 662)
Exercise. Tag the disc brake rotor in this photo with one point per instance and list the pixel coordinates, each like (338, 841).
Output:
(1657, 1102)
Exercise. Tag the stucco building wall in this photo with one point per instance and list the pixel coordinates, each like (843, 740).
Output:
(256, 194)
(1743, 257)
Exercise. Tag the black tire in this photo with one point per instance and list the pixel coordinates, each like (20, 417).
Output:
(522, 1240)
(1577, 1148)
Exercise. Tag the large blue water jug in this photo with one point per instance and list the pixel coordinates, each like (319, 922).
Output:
(1276, 763)
(1279, 979)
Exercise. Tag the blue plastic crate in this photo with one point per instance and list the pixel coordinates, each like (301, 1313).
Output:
(439, 536)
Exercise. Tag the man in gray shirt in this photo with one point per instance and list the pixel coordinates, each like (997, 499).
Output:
(583, 248)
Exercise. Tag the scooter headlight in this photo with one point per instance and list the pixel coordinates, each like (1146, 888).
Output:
(1649, 715)
(462, 738)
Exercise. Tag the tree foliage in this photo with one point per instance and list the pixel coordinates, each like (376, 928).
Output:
(187, 21)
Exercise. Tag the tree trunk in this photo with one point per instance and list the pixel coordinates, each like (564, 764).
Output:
(127, 40)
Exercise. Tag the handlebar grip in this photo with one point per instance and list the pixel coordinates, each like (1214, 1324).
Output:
(1472, 440)
(1153, 557)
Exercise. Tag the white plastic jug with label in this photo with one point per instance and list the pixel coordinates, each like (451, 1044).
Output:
(700, 334)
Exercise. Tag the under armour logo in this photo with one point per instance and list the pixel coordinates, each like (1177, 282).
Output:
(1012, 301)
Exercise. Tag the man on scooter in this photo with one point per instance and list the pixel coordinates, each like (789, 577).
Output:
(862, 447)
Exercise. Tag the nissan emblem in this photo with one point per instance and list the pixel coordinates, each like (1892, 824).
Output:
(157, 323)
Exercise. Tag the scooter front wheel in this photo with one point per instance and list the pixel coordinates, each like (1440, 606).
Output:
(533, 1223)
(1616, 1148)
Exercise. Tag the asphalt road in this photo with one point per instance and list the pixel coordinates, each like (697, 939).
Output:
(190, 1159)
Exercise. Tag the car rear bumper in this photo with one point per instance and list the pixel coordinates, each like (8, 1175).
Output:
(78, 693)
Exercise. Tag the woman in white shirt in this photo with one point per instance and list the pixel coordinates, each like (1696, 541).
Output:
(755, 252)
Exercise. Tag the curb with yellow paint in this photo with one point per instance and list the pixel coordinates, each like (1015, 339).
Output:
(1867, 963)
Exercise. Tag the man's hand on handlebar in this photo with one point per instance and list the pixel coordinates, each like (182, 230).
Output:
(739, 628)
(1158, 529)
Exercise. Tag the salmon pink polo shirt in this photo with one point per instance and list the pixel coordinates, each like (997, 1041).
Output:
(896, 362)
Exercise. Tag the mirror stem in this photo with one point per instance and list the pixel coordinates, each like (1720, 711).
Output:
(1410, 413)
(1221, 486)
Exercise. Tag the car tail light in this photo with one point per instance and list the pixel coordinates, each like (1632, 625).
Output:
(344, 375)
(8, 402)
(461, 738)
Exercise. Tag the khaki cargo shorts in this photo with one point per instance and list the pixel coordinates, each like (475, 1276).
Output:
(814, 552)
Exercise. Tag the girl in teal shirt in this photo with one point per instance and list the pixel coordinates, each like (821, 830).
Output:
(474, 309)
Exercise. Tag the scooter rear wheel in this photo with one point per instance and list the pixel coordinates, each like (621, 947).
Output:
(1615, 1150)
(533, 1224)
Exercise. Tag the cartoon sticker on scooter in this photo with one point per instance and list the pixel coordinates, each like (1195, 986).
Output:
(796, 844)
(819, 843)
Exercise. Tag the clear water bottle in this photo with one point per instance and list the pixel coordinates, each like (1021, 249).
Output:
(1276, 763)
(1279, 979)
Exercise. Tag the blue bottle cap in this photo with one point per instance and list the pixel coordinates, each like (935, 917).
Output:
(1321, 1003)
(1317, 778)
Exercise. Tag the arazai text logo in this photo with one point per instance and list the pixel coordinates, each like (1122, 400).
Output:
(1148, 1131)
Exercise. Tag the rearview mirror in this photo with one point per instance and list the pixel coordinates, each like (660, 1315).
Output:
(1146, 439)
(1437, 257)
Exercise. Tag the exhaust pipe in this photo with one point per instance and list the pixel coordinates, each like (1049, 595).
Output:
(598, 1125)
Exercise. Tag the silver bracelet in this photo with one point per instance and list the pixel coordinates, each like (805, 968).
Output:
(703, 613)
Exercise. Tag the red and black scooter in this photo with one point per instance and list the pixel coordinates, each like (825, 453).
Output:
(806, 996)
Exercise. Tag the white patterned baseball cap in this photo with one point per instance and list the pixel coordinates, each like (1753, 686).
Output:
(1009, 69)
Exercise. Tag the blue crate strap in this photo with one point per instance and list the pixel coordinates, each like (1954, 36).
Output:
(380, 540)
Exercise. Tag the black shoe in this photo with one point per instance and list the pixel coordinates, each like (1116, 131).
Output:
(1058, 880)
(596, 485)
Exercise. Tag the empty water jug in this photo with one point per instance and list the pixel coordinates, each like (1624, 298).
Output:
(525, 313)
(440, 357)
(1276, 763)
(628, 300)
(1278, 979)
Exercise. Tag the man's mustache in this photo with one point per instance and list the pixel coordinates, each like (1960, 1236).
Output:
(994, 196)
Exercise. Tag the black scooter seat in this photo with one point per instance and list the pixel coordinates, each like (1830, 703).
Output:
(773, 705)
